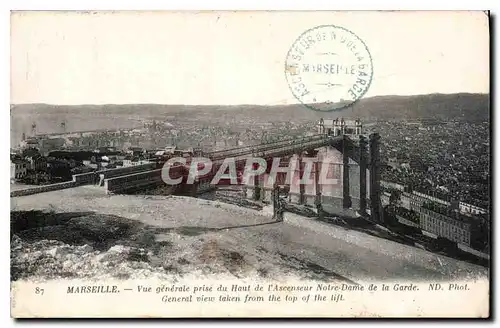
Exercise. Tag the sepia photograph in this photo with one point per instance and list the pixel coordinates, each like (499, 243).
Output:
(198, 164)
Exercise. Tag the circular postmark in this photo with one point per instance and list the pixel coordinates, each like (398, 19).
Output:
(328, 68)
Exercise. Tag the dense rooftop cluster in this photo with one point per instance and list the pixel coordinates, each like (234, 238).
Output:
(450, 159)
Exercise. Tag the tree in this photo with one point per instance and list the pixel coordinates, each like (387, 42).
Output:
(30, 152)
(395, 198)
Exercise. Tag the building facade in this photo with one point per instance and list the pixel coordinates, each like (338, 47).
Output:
(471, 209)
(18, 168)
(339, 127)
(37, 163)
(440, 219)
(452, 226)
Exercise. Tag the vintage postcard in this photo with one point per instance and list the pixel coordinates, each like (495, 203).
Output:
(250, 164)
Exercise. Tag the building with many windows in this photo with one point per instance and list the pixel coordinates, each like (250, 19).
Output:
(37, 163)
(452, 225)
(339, 127)
(439, 218)
(18, 168)
(471, 209)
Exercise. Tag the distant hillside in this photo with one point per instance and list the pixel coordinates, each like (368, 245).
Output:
(443, 106)
(49, 118)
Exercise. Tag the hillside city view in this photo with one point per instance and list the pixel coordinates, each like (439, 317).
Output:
(250, 164)
(448, 157)
(435, 172)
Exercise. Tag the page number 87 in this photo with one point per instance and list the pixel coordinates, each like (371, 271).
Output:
(39, 291)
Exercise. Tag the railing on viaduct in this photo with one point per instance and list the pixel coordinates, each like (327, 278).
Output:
(275, 148)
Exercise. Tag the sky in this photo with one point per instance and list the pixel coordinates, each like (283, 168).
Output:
(229, 58)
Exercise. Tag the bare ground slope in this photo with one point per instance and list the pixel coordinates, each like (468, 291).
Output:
(168, 236)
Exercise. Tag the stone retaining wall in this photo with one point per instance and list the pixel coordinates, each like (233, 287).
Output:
(82, 178)
(51, 187)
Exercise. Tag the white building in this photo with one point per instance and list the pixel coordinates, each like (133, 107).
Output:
(471, 209)
(339, 127)
(18, 168)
